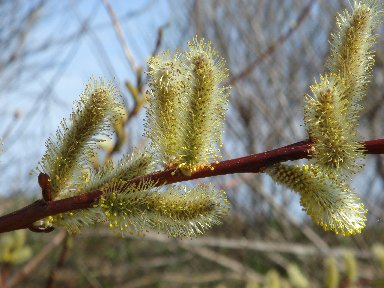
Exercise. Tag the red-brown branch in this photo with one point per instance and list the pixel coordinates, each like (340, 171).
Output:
(254, 163)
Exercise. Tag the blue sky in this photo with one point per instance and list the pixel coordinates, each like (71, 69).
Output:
(44, 98)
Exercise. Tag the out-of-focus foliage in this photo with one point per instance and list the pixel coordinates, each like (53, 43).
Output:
(13, 247)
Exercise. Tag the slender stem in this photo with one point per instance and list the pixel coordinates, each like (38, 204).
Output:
(271, 49)
(254, 163)
(120, 35)
(60, 262)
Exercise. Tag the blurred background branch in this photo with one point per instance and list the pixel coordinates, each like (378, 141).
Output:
(51, 48)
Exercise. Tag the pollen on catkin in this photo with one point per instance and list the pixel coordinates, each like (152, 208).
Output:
(331, 128)
(137, 209)
(187, 104)
(351, 56)
(74, 221)
(331, 115)
(128, 167)
(167, 80)
(74, 144)
(329, 202)
(207, 104)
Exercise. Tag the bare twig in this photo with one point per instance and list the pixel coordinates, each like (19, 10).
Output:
(225, 261)
(159, 39)
(148, 280)
(298, 249)
(284, 37)
(120, 36)
(281, 247)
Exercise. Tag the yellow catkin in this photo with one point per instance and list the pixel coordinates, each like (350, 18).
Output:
(136, 209)
(331, 115)
(378, 253)
(128, 167)
(168, 83)
(13, 248)
(351, 269)
(74, 221)
(332, 277)
(207, 104)
(74, 144)
(296, 276)
(334, 133)
(187, 105)
(329, 202)
(351, 56)
(272, 279)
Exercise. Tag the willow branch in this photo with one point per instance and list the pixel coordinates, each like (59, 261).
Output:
(254, 163)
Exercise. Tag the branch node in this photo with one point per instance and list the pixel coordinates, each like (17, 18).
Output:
(41, 228)
(46, 187)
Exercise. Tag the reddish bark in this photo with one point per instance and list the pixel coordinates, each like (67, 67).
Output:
(255, 163)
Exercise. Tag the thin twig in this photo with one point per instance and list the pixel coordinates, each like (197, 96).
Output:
(268, 246)
(151, 279)
(254, 163)
(120, 36)
(60, 262)
(5, 271)
(284, 37)
(224, 261)
(159, 39)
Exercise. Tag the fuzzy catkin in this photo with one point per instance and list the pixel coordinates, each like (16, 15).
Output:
(167, 106)
(351, 56)
(332, 112)
(331, 271)
(331, 128)
(74, 145)
(135, 209)
(128, 167)
(329, 202)
(187, 104)
(76, 220)
(207, 104)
